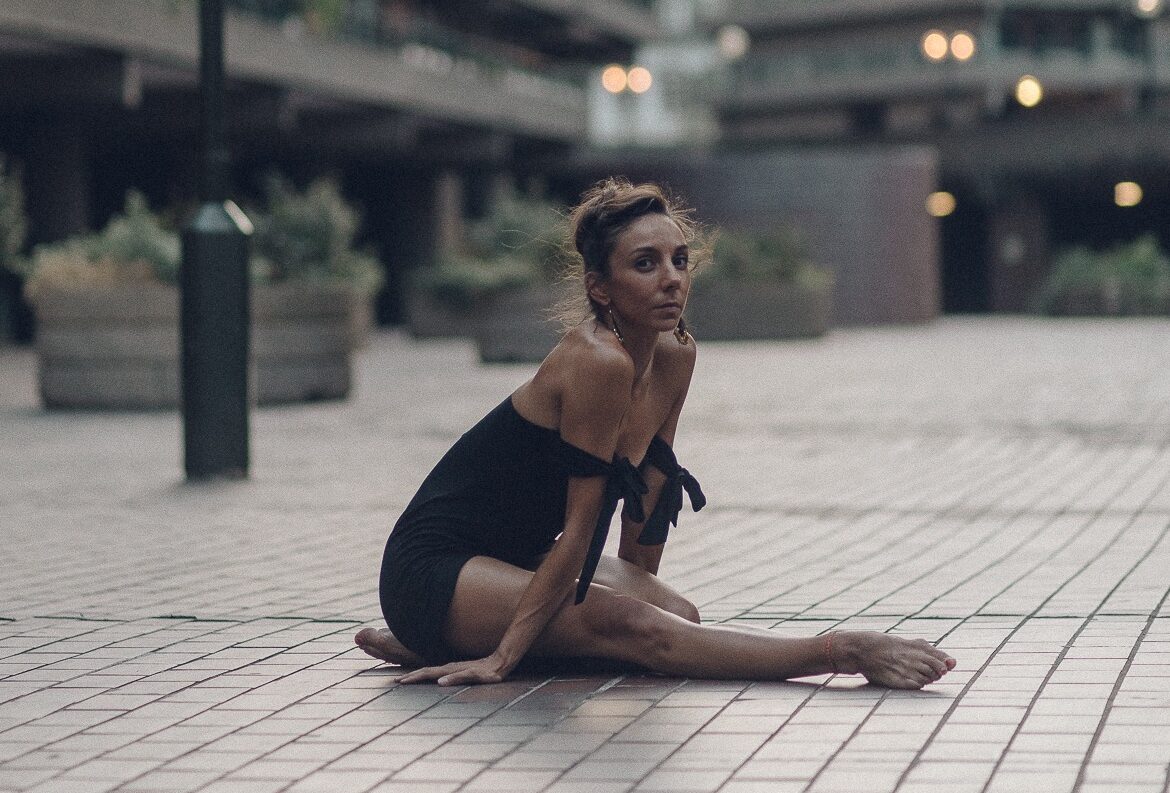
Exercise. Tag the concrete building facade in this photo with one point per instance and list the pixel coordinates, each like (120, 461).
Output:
(413, 104)
(1038, 110)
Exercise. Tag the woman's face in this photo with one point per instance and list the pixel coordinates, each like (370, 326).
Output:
(649, 275)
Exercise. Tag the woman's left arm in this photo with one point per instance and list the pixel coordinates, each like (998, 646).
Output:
(648, 557)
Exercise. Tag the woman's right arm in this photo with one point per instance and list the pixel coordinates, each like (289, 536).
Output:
(595, 399)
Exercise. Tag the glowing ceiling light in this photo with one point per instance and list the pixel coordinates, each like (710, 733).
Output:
(732, 42)
(1127, 194)
(935, 45)
(640, 79)
(613, 79)
(962, 46)
(940, 204)
(1029, 92)
(1147, 8)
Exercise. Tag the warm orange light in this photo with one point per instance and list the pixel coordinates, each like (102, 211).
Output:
(640, 79)
(1029, 92)
(934, 45)
(940, 204)
(962, 46)
(1127, 194)
(613, 79)
(1148, 8)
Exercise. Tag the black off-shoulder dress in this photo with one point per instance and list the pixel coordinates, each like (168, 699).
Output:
(500, 491)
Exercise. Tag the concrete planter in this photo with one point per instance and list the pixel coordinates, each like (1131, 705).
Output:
(514, 327)
(117, 347)
(723, 311)
(428, 318)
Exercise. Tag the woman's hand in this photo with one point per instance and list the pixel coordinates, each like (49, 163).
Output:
(460, 673)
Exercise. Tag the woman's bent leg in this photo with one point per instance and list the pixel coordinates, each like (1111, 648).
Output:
(629, 579)
(383, 645)
(625, 629)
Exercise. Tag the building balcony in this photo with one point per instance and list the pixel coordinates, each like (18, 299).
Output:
(768, 15)
(803, 81)
(63, 50)
(628, 20)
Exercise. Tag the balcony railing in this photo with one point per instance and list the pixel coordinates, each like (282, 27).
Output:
(415, 39)
(877, 73)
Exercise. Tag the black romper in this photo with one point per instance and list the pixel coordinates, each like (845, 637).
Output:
(500, 491)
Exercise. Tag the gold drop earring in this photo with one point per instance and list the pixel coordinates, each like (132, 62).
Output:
(616, 330)
(680, 332)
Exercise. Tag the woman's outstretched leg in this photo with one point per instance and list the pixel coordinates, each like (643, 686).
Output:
(625, 629)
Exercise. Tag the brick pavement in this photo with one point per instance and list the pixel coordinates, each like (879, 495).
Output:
(1001, 486)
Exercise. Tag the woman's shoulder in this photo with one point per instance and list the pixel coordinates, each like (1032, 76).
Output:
(677, 357)
(586, 355)
(593, 384)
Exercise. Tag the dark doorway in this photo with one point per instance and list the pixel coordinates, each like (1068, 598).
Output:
(966, 277)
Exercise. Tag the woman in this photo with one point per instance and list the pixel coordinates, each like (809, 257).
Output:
(475, 576)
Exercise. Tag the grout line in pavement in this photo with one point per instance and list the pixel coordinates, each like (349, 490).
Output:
(1039, 454)
(1121, 676)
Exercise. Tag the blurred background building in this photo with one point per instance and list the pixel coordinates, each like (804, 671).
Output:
(935, 152)
(1047, 116)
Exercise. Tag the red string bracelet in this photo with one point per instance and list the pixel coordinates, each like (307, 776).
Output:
(829, 652)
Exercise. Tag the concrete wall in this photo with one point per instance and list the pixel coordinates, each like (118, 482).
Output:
(861, 211)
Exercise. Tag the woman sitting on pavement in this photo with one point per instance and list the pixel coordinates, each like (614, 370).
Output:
(498, 556)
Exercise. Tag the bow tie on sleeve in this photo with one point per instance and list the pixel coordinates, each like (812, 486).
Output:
(670, 500)
(625, 483)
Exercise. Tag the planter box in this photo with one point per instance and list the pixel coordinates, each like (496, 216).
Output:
(514, 327)
(722, 311)
(118, 346)
(427, 318)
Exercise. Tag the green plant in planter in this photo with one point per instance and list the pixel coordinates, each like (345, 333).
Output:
(514, 247)
(780, 257)
(305, 237)
(1129, 279)
(134, 247)
(309, 237)
(461, 282)
(760, 286)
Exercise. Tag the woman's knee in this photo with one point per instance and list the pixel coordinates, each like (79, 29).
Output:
(627, 578)
(642, 630)
(680, 606)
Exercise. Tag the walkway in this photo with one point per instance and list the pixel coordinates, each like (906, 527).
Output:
(1000, 486)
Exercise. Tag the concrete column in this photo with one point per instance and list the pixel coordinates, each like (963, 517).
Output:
(448, 211)
(483, 188)
(57, 184)
(1017, 251)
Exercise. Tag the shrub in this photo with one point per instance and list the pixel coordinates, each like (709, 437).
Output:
(1129, 279)
(133, 247)
(515, 246)
(309, 236)
(306, 237)
(461, 281)
(780, 257)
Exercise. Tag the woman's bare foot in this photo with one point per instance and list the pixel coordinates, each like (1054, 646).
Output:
(381, 644)
(891, 660)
